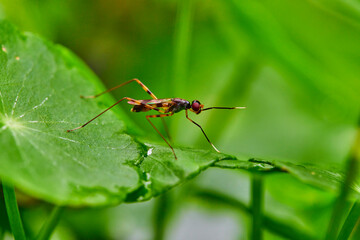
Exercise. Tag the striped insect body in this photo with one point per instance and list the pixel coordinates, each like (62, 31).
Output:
(166, 107)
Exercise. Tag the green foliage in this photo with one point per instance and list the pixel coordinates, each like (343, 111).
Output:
(98, 165)
(13, 212)
(59, 166)
(294, 64)
(319, 176)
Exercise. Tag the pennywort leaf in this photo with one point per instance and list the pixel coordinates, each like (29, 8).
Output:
(40, 85)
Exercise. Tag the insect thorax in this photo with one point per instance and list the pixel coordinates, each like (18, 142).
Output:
(179, 105)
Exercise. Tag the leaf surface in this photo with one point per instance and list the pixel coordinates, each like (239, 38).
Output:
(329, 178)
(40, 85)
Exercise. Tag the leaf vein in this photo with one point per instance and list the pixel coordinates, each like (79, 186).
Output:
(62, 138)
(21, 88)
(35, 107)
(3, 104)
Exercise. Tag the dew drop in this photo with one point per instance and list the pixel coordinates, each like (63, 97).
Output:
(149, 152)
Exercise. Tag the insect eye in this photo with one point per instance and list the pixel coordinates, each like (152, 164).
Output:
(195, 105)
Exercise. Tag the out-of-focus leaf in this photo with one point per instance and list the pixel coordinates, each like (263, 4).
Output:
(349, 10)
(277, 46)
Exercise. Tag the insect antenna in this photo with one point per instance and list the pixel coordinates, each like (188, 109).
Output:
(204, 109)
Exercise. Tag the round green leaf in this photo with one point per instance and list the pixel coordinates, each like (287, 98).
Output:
(40, 85)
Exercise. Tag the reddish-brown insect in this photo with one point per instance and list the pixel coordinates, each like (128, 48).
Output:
(166, 106)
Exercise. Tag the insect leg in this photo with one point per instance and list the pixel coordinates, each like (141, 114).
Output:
(186, 112)
(166, 129)
(148, 106)
(146, 89)
(124, 98)
(161, 115)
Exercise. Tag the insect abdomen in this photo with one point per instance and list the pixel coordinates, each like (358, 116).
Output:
(140, 108)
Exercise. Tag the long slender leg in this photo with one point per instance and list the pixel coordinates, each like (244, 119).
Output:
(186, 112)
(146, 89)
(130, 99)
(166, 129)
(161, 115)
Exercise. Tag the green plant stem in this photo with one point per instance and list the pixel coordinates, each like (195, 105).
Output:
(339, 209)
(3, 216)
(350, 222)
(1, 233)
(182, 43)
(256, 206)
(13, 212)
(160, 216)
(49, 226)
(275, 226)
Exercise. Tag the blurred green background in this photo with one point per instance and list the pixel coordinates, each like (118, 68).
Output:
(293, 64)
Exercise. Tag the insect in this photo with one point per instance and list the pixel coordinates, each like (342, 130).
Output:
(165, 106)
